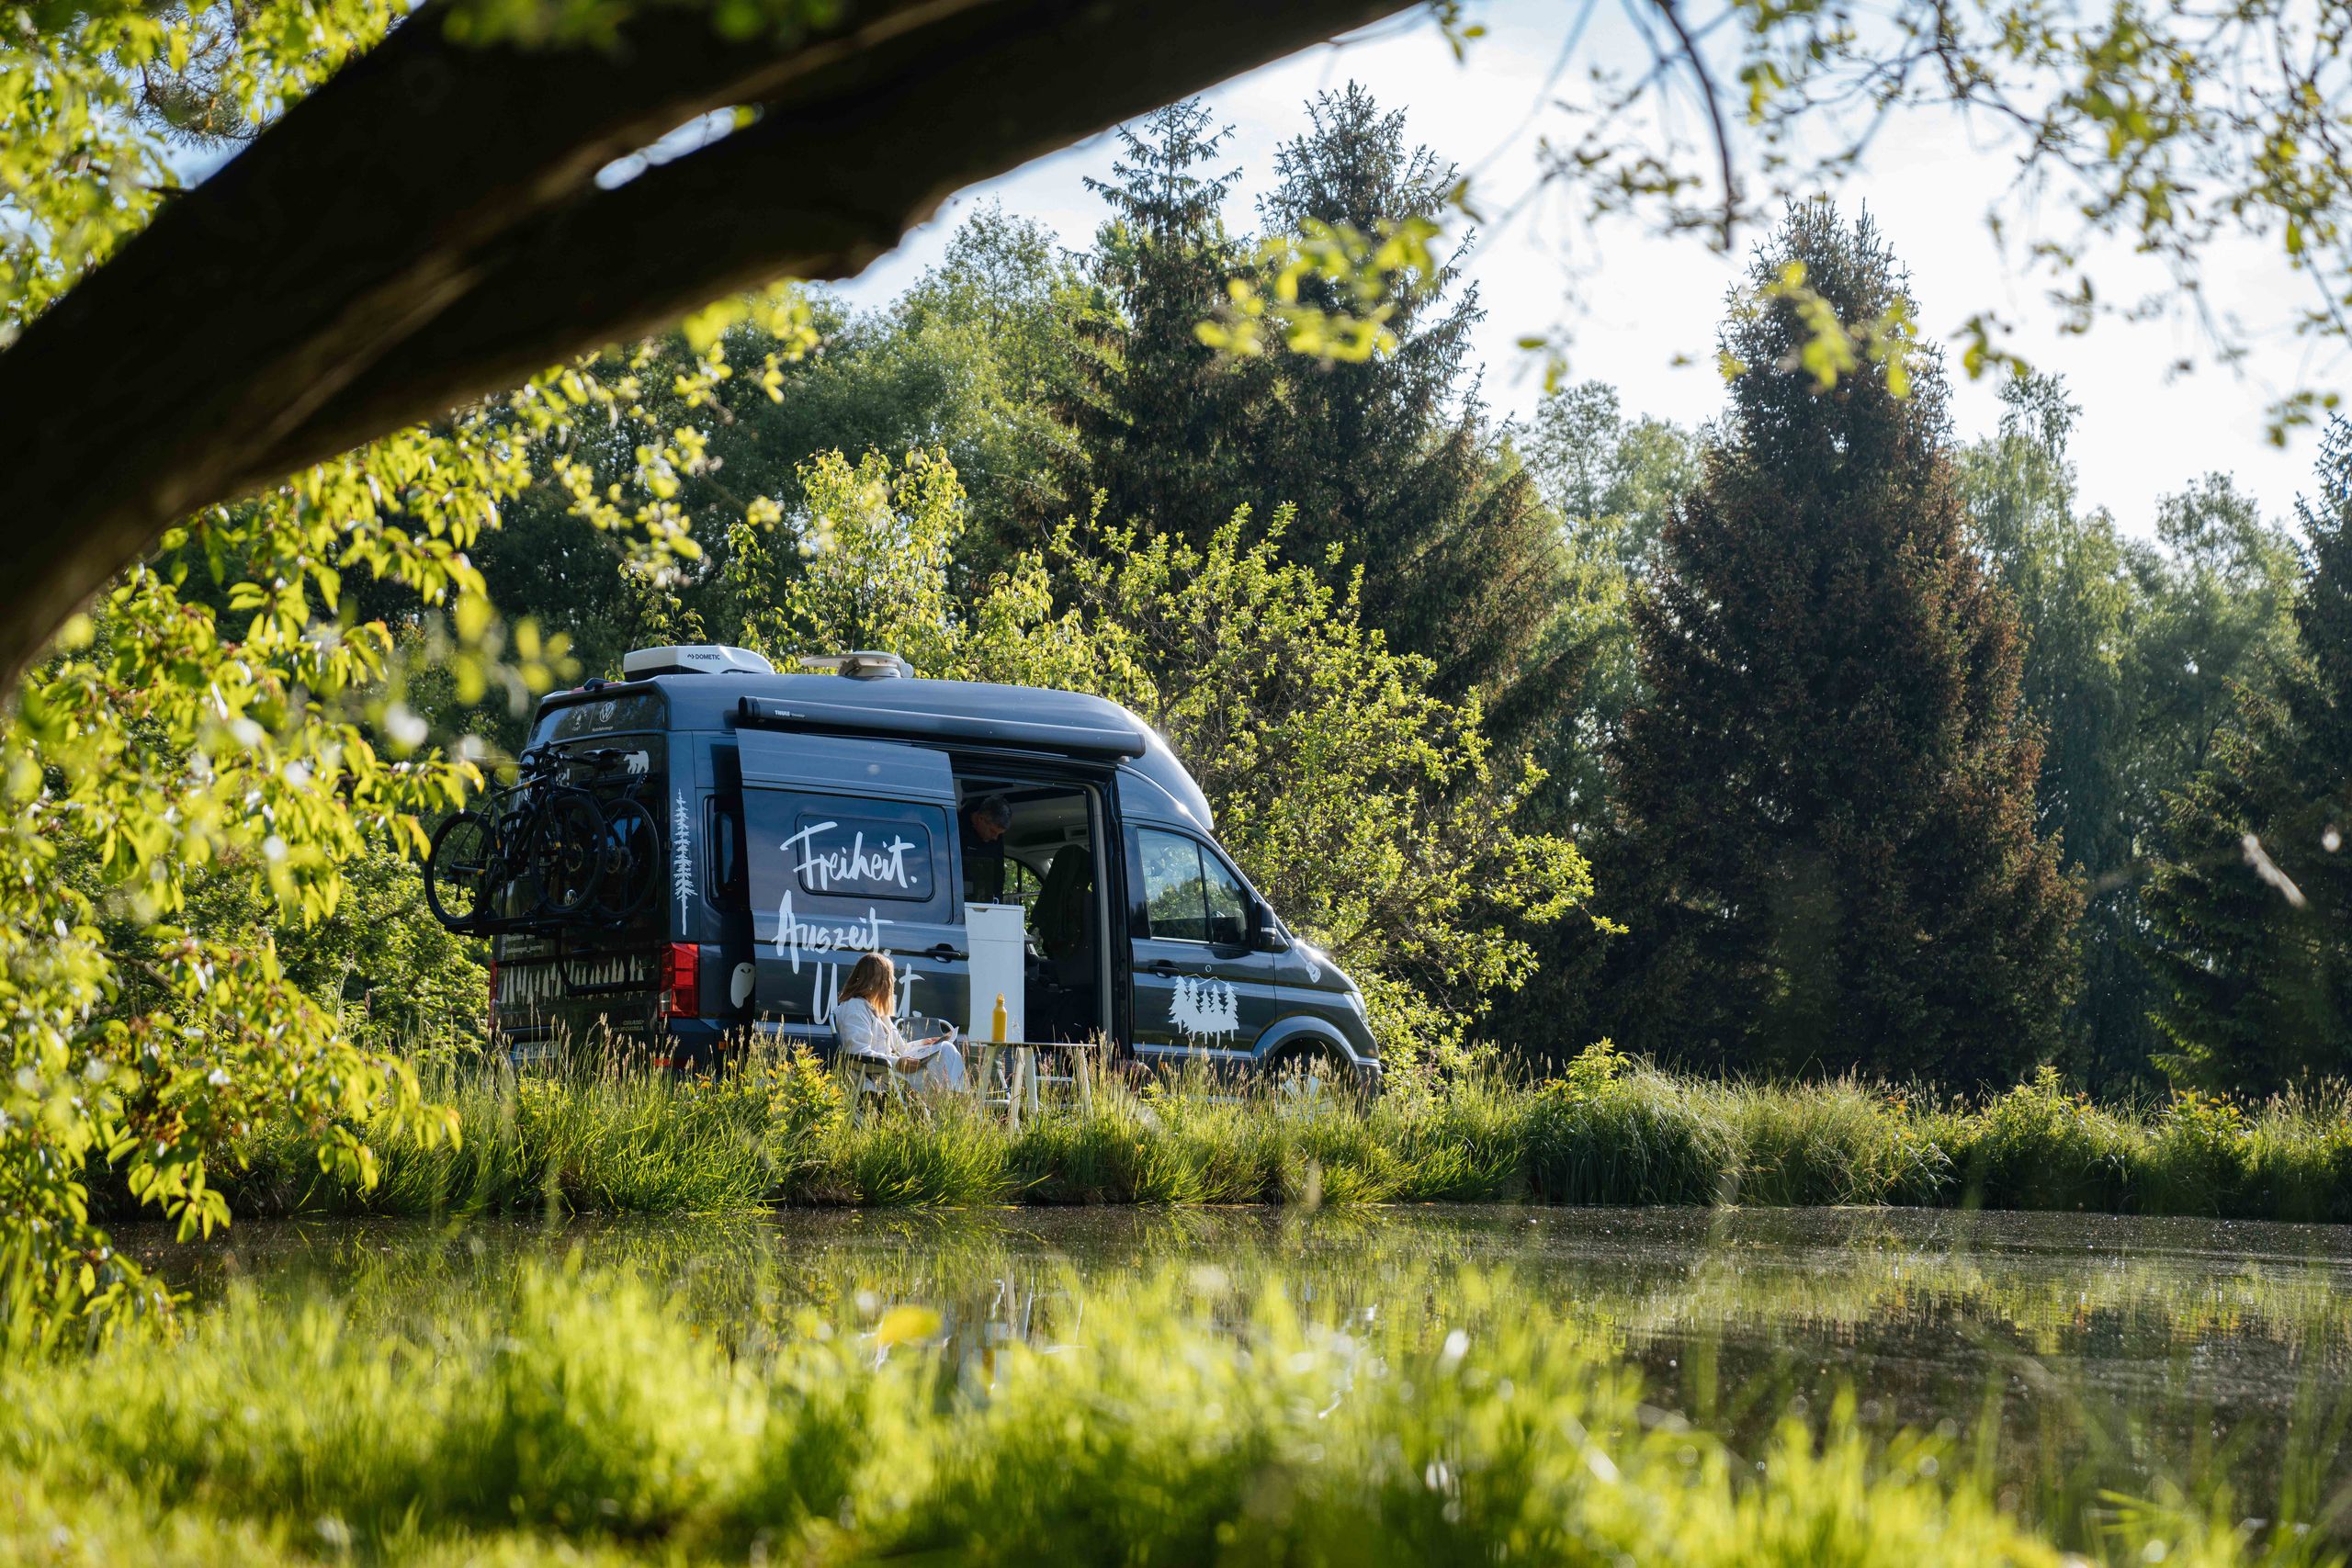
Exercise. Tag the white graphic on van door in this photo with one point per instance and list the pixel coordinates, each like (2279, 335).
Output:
(1203, 1008)
(794, 935)
(682, 865)
(638, 761)
(825, 989)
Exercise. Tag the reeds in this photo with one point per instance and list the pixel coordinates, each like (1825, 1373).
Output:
(598, 1136)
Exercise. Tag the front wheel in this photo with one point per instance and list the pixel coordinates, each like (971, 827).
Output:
(458, 871)
(1310, 1077)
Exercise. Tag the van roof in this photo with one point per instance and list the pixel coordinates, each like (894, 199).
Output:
(715, 701)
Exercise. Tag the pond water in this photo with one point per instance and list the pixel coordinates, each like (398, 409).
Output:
(2069, 1354)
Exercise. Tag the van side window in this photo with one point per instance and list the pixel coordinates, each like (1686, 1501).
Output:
(1190, 895)
(1173, 901)
(723, 835)
(1228, 906)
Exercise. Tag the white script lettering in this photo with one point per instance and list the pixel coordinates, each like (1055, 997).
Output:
(821, 869)
(793, 936)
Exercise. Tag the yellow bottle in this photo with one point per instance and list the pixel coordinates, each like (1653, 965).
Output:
(996, 1022)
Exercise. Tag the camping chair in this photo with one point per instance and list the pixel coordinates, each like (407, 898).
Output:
(867, 1081)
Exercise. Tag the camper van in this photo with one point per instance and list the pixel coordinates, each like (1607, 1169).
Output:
(1041, 846)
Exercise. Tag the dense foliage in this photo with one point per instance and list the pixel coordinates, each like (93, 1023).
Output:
(1369, 808)
(2252, 904)
(593, 1138)
(1388, 461)
(1161, 1415)
(208, 903)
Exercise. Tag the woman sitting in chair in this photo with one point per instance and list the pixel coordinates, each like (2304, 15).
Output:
(863, 1026)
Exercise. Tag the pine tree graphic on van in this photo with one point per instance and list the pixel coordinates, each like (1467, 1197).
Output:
(1203, 1008)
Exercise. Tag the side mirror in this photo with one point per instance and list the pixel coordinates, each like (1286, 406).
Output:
(1266, 933)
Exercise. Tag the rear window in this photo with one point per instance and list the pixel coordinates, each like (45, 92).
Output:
(601, 715)
(844, 855)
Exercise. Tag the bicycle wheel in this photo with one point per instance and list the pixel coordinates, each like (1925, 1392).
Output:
(458, 871)
(565, 850)
(632, 867)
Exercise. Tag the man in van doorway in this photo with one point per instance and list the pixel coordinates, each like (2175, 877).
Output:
(983, 825)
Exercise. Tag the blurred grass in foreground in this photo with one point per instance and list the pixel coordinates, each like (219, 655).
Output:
(580, 1416)
(598, 1137)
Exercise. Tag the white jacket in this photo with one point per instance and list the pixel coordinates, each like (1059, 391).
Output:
(864, 1029)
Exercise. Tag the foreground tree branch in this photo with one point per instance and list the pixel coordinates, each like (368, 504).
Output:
(427, 228)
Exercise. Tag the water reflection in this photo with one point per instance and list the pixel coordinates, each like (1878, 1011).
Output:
(2087, 1351)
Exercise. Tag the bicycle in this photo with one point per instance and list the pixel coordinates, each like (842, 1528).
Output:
(546, 849)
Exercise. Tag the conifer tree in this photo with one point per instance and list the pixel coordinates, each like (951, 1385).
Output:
(1162, 424)
(1828, 783)
(1392, 459)
(2251, 906)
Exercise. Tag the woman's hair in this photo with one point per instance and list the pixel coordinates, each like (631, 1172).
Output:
(871, 979)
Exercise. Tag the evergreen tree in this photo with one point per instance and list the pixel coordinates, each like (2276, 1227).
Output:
(1612, 481)
(1392, 460)
(2253, 907)
(1391, 463)
(1163, 426)
(1829, 781)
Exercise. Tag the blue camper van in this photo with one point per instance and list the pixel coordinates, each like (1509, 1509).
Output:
(764, 829)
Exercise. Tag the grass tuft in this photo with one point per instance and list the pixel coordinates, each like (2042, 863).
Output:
(595, 1136)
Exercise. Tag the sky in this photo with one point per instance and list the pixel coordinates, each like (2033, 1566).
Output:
(1639, 308)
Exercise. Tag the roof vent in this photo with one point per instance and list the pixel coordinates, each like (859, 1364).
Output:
(864, 665)
(701, 658)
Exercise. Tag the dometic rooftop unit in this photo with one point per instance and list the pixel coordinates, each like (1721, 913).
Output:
(700, 658)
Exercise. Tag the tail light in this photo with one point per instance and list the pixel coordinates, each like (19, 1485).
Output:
(493, 995)
(685, 981)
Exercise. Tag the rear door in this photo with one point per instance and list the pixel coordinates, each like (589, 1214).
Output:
(849, 848)
(1199, 987)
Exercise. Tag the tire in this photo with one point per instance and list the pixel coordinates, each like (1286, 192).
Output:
(565, 850)
(1310, 1077)
(633, 860)
(459, 871)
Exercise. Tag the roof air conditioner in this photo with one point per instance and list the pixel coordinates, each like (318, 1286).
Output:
(701, 658)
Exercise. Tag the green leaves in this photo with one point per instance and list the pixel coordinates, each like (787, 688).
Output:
(202, 761)
(1367, 271)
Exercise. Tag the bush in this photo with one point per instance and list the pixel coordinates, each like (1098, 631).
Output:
(1609, 1134)
(2040, 1147)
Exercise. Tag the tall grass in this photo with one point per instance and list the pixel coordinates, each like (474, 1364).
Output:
(598, 1137)
(580, 1418)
